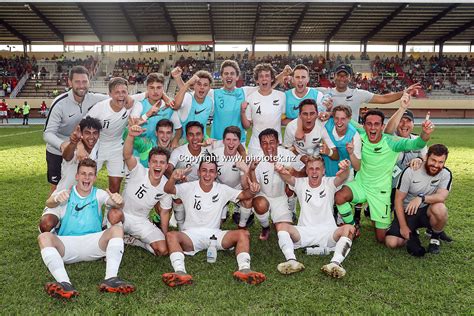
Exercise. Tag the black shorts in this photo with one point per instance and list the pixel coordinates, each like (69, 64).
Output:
(54, 167)
(420, 219)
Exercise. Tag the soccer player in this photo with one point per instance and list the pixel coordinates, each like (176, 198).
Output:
(233, 171)
(197, 106)
(307, 134)
(316, 225)
(156, 109)
(264, 108)
(86, 133)
(67, 110)
(342, 94)
(80, 237)
(143, 190)
(163, 139)
(346, 140)
(372, 183)
(273, 197)
(420, 202)
(187, 156)
(113, 115)
(301, 91)
(204, 200)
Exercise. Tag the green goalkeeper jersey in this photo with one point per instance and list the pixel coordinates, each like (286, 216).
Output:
(379, 159)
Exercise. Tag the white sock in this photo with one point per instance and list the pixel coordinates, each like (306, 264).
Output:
(244, 216)
(52, 259)
(224, 212)
(292, 203)
(113, 254)
(343, 246)
(263, 219)
(243, 260)
(286, 245)
(178, 210)
(177, 261)
(130, 240)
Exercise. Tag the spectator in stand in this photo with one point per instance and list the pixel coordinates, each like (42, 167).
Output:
(17, 111)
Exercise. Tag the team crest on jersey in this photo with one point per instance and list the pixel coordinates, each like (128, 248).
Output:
(276, 102)
(322, 194)
(300, 143)
(215, 198)
(158, 196)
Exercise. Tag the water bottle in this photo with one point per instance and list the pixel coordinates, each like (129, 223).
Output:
(317, 251)
(212, 250)
(324, 99)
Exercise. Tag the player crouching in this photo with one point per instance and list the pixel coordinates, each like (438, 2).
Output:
(80, 236)
(203, 203)
(316, 225)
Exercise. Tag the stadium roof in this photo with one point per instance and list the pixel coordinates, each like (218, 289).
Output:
(243, 21)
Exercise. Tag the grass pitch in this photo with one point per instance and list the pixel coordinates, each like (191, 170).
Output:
(378, 280)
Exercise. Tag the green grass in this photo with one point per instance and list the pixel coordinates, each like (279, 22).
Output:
(378, 280)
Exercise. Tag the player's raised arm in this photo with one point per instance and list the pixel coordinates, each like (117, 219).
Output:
(134, 130)
(70, 147)
(392, 97)
(115, 199)
(57, 199)
(394, 120)
(343, 173)
(179, 98)
(246, 122)
(177, 175)
(253, 189)
(285, 174)
(176, 74)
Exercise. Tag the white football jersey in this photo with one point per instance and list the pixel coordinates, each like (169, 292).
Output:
(113, 126)
(181, 158)
(265, 112)
(69, 170)
(227, 172)
(316, 203)
(271, 184)
(204, 209)
(140, 196)
(311, 142)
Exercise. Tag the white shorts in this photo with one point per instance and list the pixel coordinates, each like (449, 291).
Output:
(279, 211)
(142, 228)
(3, 113)
(321, 236)
(201, 238)
(82, 248)
(115, 166)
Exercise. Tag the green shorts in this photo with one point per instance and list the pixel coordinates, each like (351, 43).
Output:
(378, 200)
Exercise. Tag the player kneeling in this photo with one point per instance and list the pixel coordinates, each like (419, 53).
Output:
(203, 202)
(80, 236)
(316, 225)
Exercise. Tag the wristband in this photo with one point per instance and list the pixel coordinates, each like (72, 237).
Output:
(55, 198)
(330, 152)
(144, 117)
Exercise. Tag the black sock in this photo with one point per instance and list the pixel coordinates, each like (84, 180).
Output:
(435, 235)
(357, 211)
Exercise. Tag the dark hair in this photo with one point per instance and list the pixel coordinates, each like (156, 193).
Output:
(268, 132)
(374, 112)
(437, 150)
(230, 63)
(164, 123)
(159, 151)
(208, 158)
(155, 77)
(233, 130)
(117, 81)
(194, 123)
(264, 67)
(87, 162)
(305, 102)
(90, 122)
(78, 70)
